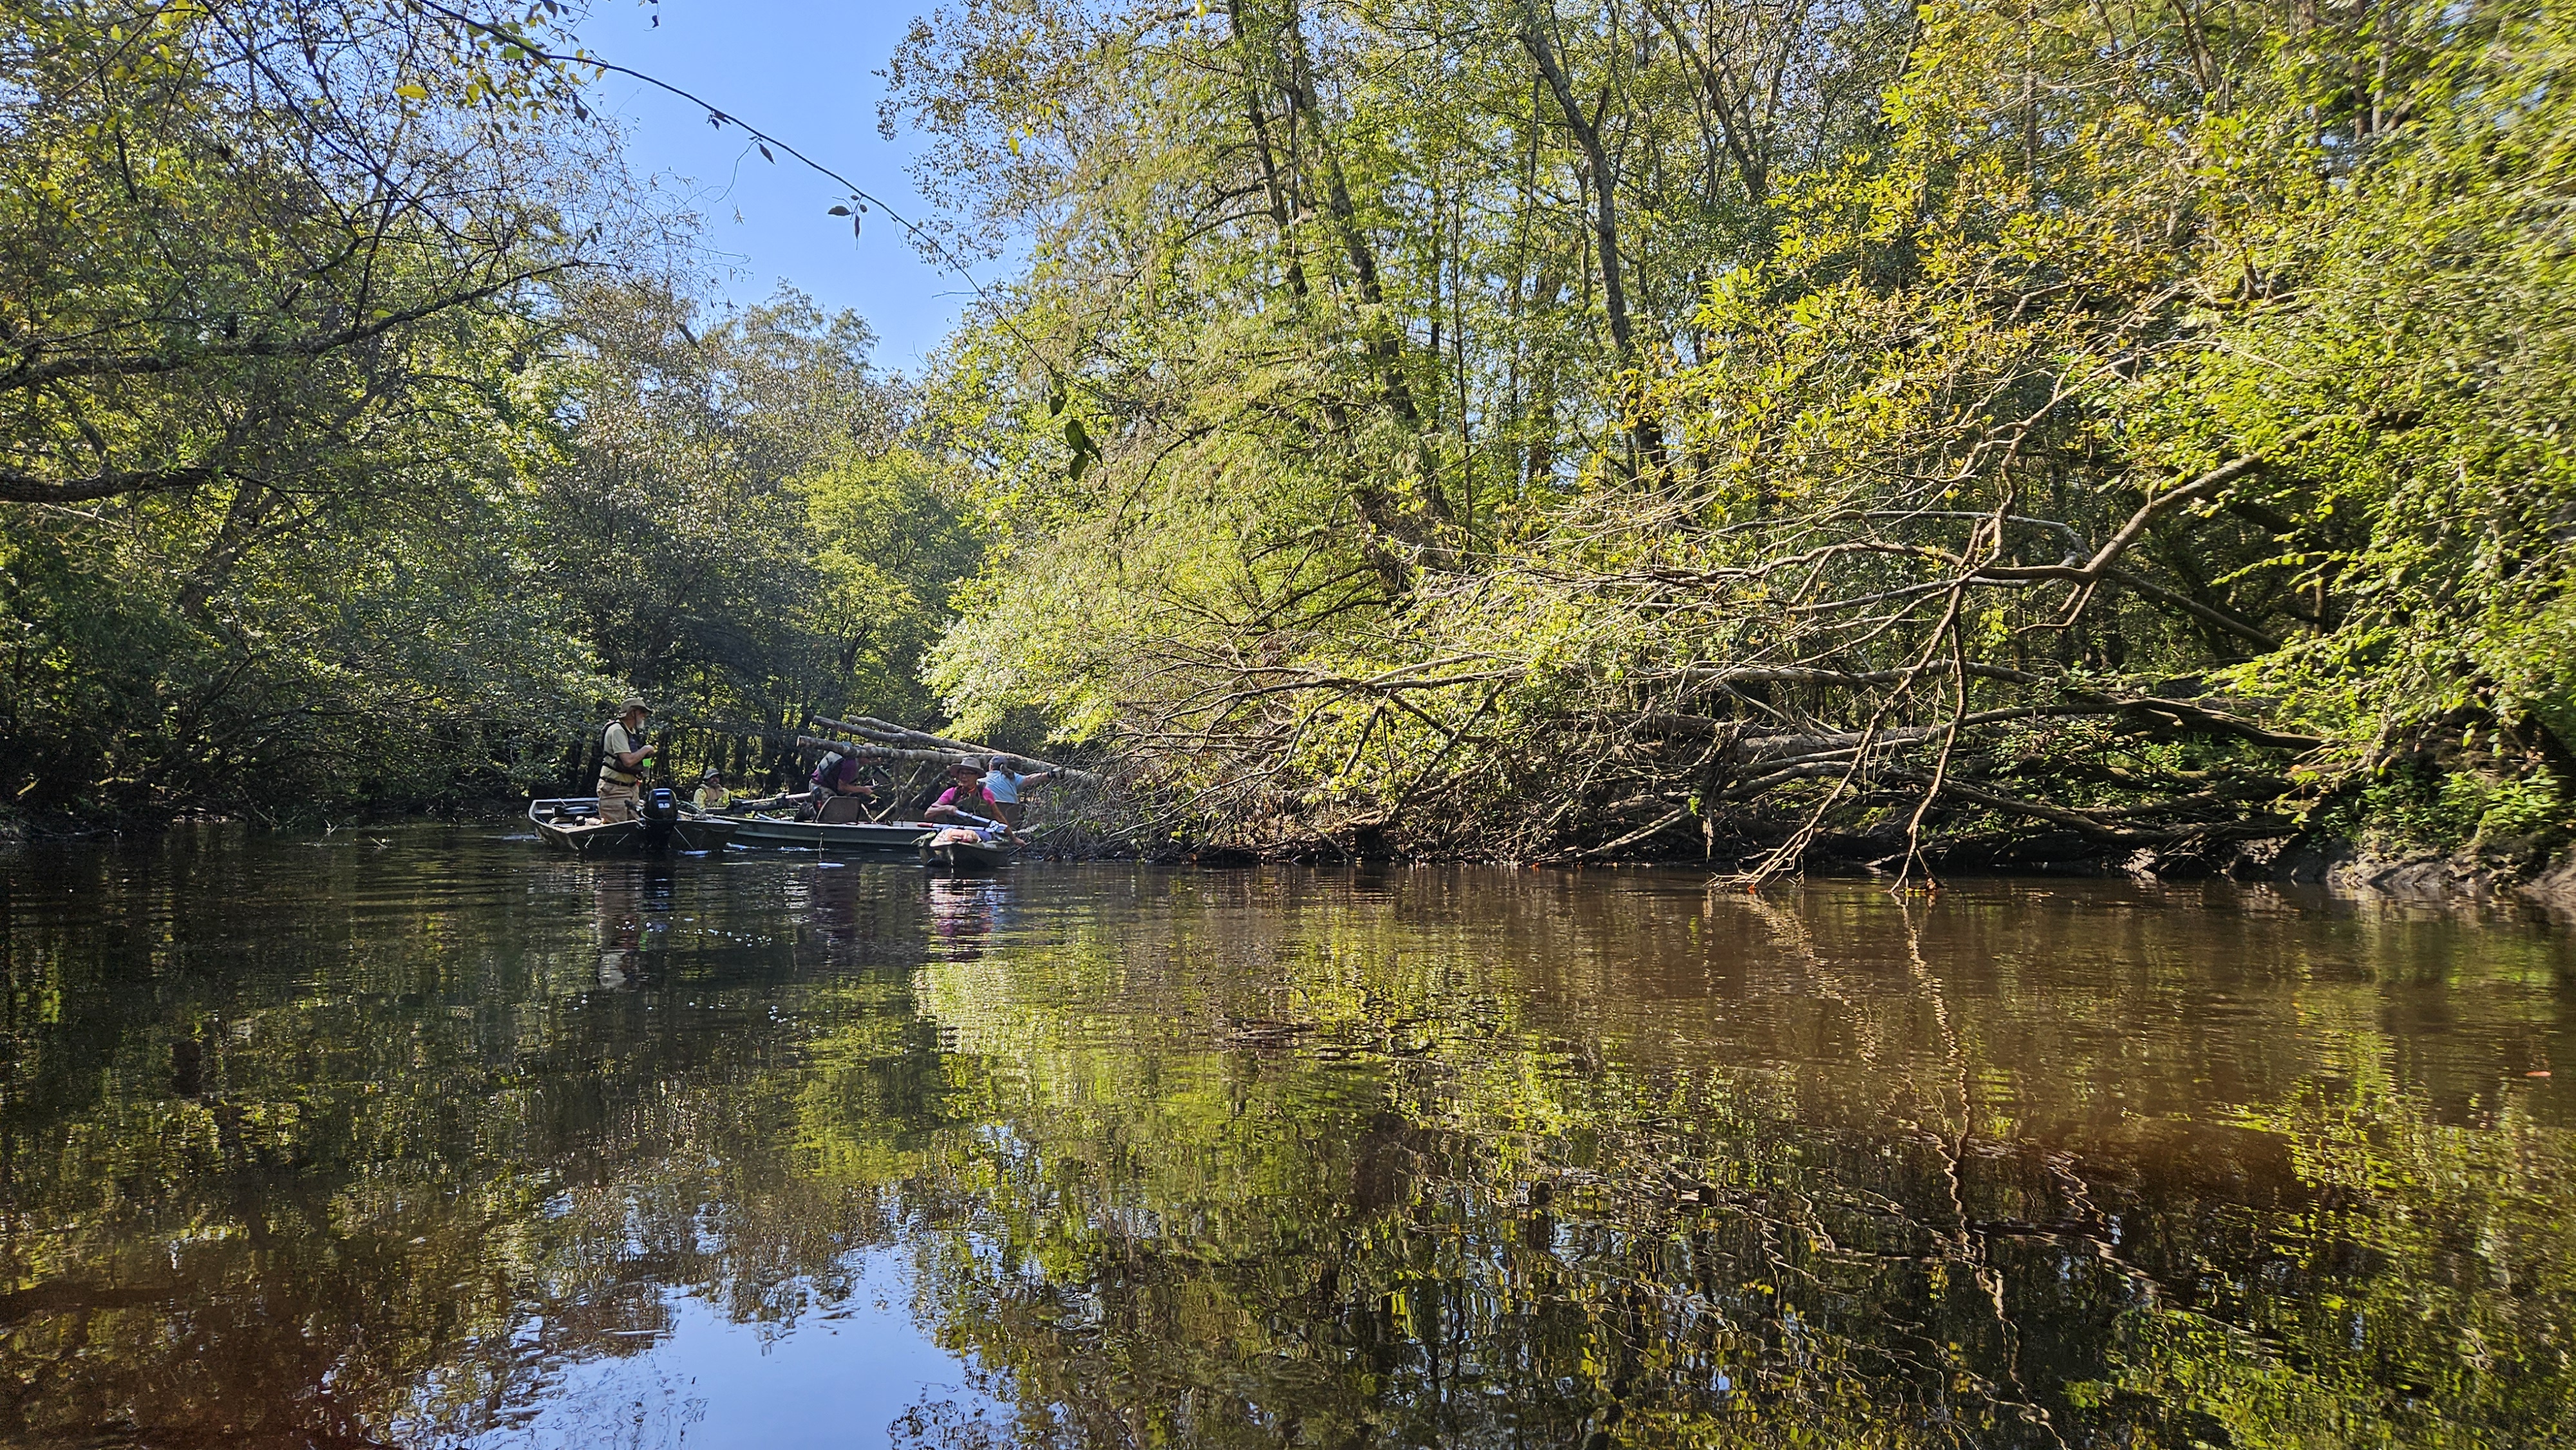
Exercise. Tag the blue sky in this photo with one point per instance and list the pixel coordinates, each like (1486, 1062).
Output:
(806, 73)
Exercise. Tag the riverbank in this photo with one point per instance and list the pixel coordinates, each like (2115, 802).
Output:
(2466, 876)
(21, 827)
(2538, 874)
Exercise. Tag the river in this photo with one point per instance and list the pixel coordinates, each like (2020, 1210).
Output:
(424, 1137)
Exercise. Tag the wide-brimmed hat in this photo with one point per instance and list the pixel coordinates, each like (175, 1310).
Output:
(634, 702)
(711, 773)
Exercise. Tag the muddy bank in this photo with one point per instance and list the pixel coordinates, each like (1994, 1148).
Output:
(2545, 879)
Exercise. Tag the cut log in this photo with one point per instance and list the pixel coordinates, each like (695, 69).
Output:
(950, 752)
(871, 728)
(880, 732)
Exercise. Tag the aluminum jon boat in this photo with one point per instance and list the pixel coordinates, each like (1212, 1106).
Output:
(889, 836)
(965, 855)
(573, 823)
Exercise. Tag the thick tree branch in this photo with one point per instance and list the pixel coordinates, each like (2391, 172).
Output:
(30, 372)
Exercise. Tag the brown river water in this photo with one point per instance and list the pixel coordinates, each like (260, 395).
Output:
(424, 1137)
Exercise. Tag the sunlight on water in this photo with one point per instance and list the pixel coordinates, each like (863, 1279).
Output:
(429, 1138)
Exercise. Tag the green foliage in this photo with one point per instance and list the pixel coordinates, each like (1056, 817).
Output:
(241, 240)
(891, 541)
(341, 460)
(735, 517)
(2011, 398)
(268, 298)
(2417, 807)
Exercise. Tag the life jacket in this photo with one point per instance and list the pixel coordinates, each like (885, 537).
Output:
(975, 800)
(613, 742)
(828, 772)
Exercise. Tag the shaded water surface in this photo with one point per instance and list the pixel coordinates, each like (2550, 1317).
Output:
(429, 1139)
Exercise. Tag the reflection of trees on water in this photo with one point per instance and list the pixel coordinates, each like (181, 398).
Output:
(358, 1184)
(1467, 1160)
(1366, 1196)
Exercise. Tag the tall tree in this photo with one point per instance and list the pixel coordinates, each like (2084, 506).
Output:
(1949, 429)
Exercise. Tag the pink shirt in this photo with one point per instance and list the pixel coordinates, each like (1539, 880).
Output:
(978, 804)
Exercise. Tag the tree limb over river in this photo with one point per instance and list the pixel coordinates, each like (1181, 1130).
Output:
(1864, 434)
(1972, 433)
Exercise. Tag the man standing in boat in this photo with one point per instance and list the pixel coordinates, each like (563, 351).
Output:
(625, 757)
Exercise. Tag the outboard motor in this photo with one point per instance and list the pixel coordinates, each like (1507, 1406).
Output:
(661, 807)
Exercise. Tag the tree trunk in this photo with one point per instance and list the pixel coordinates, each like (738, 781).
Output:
(1642, 427)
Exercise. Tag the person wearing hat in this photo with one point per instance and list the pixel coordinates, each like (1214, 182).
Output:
(712, 795)
(965, 802)
(1002, 786)
(625, 758)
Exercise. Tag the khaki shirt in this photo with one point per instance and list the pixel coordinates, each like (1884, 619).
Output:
(613, 742)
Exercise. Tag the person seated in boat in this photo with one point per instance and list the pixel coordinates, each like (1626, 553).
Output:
(625, 758)
(840, 794)
(711, 795)
(965, 802)
(1002, 787)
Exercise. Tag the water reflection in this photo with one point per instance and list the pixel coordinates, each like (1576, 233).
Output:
(963, 911)
(618, 906)
(450, 1142)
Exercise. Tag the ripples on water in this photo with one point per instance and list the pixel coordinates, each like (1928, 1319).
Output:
(429, 1139)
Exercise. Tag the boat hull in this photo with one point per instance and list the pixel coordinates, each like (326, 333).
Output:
(572, 824)
(967, 855)
(897, 837)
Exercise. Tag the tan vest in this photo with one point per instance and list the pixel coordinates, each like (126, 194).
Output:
(613, 742)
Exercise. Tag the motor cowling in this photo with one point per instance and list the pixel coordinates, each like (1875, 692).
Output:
(662, 806)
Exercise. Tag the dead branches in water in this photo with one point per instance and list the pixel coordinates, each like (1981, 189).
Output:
(1890, 686)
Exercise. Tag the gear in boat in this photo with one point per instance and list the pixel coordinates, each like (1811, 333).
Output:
(768, 823)
(977, 844)
(573, 823)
